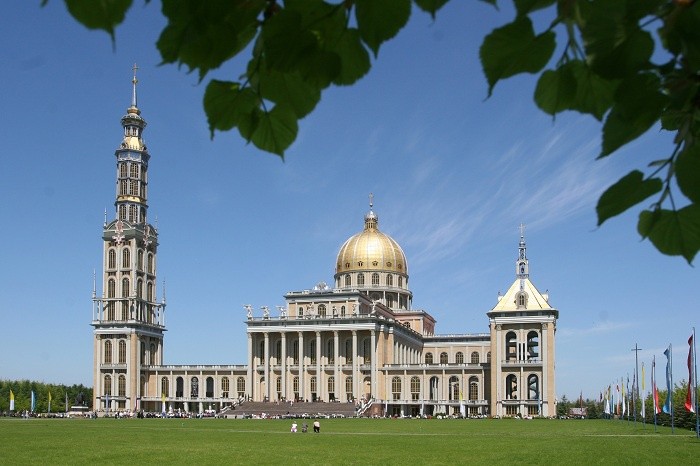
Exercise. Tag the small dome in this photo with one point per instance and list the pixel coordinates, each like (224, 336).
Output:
(371, 250)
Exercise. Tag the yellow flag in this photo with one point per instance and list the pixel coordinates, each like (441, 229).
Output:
(49, 397)
(643, 377)
(12, 401)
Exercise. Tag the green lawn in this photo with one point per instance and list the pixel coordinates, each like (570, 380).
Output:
(342, 441)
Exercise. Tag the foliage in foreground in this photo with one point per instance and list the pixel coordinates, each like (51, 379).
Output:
(633, 64)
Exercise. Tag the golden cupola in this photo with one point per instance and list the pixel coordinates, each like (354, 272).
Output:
(374, 262)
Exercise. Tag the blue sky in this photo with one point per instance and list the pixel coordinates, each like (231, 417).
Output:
(453, 175)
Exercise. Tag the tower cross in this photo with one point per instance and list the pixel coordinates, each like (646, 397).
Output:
(134, 81)
(371, 201)
(522, 230)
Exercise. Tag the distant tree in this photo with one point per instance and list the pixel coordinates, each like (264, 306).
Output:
(633, 64)
(22, 390)
(563, 406)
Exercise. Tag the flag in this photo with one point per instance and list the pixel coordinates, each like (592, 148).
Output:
(654, 388)
(668, 406)
(163, 400)
(49, 401)
(12, 401)
(623, 397)
(690, 397)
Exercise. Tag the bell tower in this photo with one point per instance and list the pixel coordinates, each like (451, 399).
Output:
(128, 321)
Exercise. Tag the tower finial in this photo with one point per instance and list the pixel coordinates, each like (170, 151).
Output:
(133, 82)
(371, 201)
(522, 230)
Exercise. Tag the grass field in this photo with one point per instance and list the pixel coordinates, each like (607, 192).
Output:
(342, 441)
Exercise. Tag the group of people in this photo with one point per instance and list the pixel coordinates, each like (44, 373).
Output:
(305, 427)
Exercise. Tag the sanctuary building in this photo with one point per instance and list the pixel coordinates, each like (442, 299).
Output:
(359, 340)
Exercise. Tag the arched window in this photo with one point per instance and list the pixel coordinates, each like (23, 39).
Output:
(295, 386)
(126, 258)
(342, 311)
(348, 388)
(533, 345)
(240, 386)
(122, 351)
(132, 213)
(125, 310)
(108, 352)
(194, 387)
(209, 393)
(125, 287)
(152, 355)
(396, 388)
(295, 351)
(134, 170)
(313, 385)
(475, 357)
(224, 387)
(122, 169)
(400, 281)
(322, 310)
(454, 388)
(533, 387)
(488, 357)
(511, 387)
(389, 280)
(150, 263)
(278, 351)
(164, 387)
(107, 388)
(300, 311)
(511, 346)
(375, 279)
(111, 259)
(150, 296)
(367, 351)
(139, 259)
(429, 358)
(278, 387)
(348, 280)
(312, 351)
(348, 351)
(179, 387)
(473, 388)
(443, 358)
(261, 352)
(415, 388)
(459, 357)
(330, 351)
(122, 386)
(139, 288)
(360, 279)
(331, 388)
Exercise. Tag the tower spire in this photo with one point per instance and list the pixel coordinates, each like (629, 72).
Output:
(371, 218)
(133, 82)
(521, 265)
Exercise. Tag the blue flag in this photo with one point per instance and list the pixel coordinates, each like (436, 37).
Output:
(33, 401)
(669, 381)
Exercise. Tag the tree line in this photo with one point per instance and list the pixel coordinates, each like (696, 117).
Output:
(22, 390)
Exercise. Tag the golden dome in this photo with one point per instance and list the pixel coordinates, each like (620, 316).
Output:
(371, 250)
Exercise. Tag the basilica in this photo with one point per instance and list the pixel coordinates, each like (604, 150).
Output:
(358, 341)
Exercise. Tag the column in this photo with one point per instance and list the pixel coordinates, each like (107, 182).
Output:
(251, 361)
(373, 364)
(336, 371)
(544, 399)
(267, 366)
(302, 378)
(355, 367)
(283, 369)
(319, 382)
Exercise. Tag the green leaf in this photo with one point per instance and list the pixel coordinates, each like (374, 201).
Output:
(430, 6)
(616, 45)
(354, 59)
(681, 34)
(227, 104)
(514, 49)
(276, 130)
(594, 94)
(628, 191)
(674, 233)
(639, 104)
(286, 42)
(379, 21)
(556, 90)
(687, 172)
(203, 35)
(99, 14)
(289, 90)
(319, 68)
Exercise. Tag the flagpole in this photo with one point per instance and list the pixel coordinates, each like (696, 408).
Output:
(670, 388)
(654, 390)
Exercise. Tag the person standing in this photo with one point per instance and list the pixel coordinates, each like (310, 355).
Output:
(317, 426)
